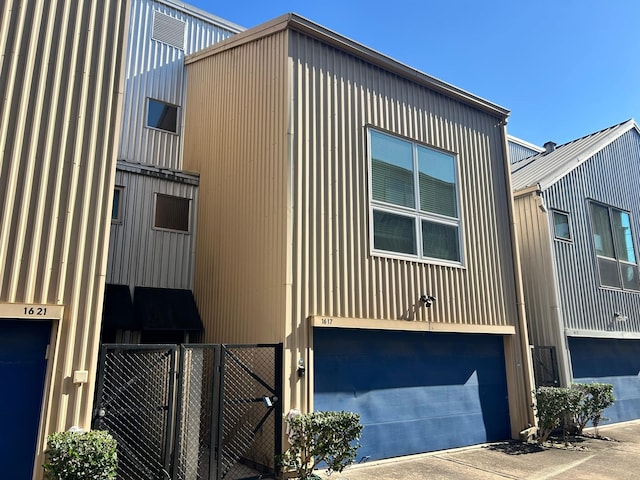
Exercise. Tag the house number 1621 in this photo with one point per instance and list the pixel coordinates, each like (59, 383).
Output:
(37, 311)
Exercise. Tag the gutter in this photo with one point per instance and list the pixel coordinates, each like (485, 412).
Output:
(525, 350)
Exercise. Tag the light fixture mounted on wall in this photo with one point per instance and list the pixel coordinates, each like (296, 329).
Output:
(427, 300)
(619, 317)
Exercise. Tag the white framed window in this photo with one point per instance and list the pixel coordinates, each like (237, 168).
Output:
(561, 225)
(116, 207)
(614, 247)
(172, 213)
(162, 116)
(414, 200)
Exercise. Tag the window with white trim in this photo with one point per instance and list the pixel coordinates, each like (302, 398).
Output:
(162, 116)
(413, 200)
(614, 247)
(172, 213)
(561, 228)
(116, 207)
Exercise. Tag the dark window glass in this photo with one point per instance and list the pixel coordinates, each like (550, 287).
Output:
(394, 233)
(172, 213)
(162, 116)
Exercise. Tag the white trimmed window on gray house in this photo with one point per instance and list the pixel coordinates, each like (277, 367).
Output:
(614, 246)
(172, 213)
(414, 206)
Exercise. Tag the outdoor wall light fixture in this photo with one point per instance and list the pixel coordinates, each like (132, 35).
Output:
(427, 300)
(301, 370)
(619, 317)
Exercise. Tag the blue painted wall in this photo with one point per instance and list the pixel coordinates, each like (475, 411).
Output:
(614, 361)
(23, 346)
(415, 392)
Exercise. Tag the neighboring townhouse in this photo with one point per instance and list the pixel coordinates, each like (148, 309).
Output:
(578, 210)
(520, 149)
(60, 102)
(359, 212)
(151, 246)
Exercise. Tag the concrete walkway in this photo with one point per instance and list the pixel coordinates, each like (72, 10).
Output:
(586, 458)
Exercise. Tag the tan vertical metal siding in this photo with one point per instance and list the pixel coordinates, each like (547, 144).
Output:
(337, 97)
(155, 69)
(139, 254)
(236, 138)
(60, 85)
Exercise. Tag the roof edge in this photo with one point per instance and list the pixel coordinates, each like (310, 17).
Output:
(525, 144)
(298, 23)
(587, 153)
(202, 14)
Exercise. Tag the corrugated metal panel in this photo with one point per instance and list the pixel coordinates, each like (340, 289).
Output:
(140, 255)
(60, 76)
(155, 69)
(519, 150)
(544, 319)
(612, 177)
(333, 273)
(240, 276)
(547, 168)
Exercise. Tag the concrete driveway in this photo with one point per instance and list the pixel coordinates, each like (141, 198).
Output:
(586, 458)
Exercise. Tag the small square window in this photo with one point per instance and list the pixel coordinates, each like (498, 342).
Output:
(172, 213)
(561, 229)
(116, 208)
(162, 116)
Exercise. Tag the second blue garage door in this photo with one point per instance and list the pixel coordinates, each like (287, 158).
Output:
(415, 392)
(609, 360)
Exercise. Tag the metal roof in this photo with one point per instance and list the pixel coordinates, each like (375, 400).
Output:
(546, 168)
(296, 22)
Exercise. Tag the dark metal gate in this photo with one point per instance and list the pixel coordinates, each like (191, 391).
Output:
(220, 420)
(545, 366)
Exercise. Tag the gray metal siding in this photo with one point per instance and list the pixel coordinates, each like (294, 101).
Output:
(612, 177)
(141, 255)
(155, 69)
(519, 152)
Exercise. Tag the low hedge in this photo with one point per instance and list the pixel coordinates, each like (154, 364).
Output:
(81, 456)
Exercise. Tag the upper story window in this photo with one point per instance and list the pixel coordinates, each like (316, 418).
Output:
(162, 116)
(614, 247)
(413, 200)
(116, 208)
(561, 228)
(172, 213)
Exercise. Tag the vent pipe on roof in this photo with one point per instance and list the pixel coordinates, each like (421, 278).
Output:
(549, 147)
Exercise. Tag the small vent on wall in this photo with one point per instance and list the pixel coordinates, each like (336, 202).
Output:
(168, 30)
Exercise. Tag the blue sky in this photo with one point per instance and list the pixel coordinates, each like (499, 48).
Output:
(565, 68)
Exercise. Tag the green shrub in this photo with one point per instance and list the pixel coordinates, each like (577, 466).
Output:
(571, 407)
(316, 437)
(81, 456)
(552, 406)
(595, 397)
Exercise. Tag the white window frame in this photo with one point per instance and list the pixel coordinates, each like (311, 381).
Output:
(555, 212)
(158, 129)
(414, 213)
(117, 219)
(155, 207)
(617, 259)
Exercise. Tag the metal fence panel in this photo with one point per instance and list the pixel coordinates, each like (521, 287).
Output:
(250, 412)
(135, 404)
(195, 423)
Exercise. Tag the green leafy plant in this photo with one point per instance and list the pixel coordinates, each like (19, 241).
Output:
(81, 456)
(330, 437)
(595, 397)
(553, 406)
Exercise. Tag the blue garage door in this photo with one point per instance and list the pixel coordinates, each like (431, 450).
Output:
(614, 361)
(23, 346)
(415, 392)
